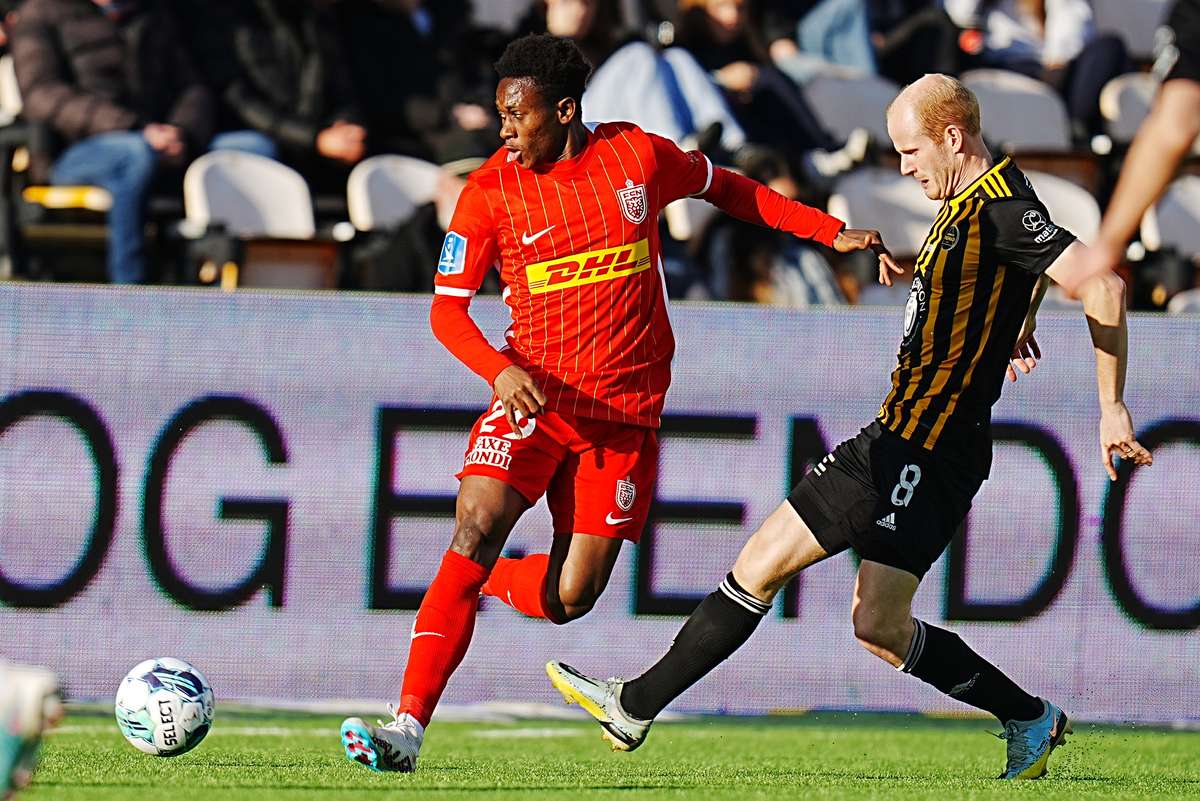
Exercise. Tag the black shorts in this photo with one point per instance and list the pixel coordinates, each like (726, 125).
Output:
(888, 499)
(1177, 44)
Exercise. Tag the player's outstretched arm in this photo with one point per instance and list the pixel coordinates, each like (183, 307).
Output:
(693, 175)
(1103, 296)
(1161, 143)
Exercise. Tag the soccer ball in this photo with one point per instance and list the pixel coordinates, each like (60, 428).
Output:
(164, 707)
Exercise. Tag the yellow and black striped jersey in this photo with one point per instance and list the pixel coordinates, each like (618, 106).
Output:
(971, 289)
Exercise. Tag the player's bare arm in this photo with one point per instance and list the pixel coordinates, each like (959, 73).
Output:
(1026, 351)
(1103, 296)
(1160, 145)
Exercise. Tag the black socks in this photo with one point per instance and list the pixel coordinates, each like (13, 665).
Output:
(941, 658)
(721, 623)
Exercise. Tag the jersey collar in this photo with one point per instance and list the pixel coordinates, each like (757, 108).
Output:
(570, 167)
(970, 190)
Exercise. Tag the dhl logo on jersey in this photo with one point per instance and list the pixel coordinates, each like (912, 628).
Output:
(588, 268)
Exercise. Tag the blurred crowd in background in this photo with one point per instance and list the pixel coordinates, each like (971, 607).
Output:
(124, 94)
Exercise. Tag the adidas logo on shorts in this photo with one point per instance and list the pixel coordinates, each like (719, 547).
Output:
(888, 522)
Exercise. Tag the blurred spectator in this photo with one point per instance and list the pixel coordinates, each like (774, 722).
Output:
(901, 39)
(424, 76)
(745, 263)
(1052, 40)
(913, 38)
(287, 78)
(770, 107)
(8, 18)
(806, 34)
(112, 80)
(665, 93)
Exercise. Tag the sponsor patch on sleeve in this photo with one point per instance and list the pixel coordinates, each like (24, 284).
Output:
(1049, 232)
(453, 258)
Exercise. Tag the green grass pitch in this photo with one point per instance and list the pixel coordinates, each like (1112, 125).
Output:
(262, 756)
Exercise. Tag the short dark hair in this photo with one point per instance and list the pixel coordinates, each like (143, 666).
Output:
(554, 63)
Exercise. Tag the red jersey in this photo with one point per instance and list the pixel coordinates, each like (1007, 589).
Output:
(578, 251)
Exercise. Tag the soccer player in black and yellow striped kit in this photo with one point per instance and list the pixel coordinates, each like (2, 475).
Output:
(897, 492)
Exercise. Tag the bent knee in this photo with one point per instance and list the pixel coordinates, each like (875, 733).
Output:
(575, 600)
(476, 525)
(565, 613)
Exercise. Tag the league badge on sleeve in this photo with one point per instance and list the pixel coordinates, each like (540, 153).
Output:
(453, 259)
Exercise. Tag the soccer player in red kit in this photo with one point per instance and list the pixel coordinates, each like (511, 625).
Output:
(569, 213)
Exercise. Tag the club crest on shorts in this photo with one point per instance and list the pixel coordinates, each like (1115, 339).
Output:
(626, 493)
(633, 202)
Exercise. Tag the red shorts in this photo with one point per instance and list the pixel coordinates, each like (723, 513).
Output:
(598, 477)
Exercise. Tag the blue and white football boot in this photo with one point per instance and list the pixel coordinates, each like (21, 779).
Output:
(30, 703)
(388, 747)
(1030, 742)
(602, 700)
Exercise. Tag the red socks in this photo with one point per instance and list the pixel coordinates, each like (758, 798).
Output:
(521, 583)
(441, 633)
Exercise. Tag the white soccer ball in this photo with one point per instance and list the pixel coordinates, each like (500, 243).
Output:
(164, 707)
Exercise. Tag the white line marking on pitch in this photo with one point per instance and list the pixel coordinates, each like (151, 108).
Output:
(281, 731)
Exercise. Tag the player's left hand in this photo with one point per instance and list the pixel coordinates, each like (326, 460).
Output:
(1024, 356)
(855, 239)
(1116, 439)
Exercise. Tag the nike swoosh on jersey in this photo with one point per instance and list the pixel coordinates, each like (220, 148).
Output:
(526, 239)
(614, 521)
(417, 634)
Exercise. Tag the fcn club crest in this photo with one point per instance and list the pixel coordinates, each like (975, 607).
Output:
(626, 492)
(633, 202)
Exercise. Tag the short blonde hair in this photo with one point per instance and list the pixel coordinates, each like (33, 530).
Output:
(942, 101)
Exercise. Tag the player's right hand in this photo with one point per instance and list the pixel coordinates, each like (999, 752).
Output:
(1116, 439)
(852, 239)
(517, 390)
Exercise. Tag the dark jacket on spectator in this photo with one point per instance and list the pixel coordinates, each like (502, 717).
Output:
(292, 81)
(82, 73)
(410, 74)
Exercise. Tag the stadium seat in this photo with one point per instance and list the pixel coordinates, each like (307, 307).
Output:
(1125, 101)
(1174, 222)
(869, 97)
(10, 93)
(874, 197)
(688, 217)
(251, 223)
(1020, 113)
(1185, 303)
(1134, 20)
(1028, 119)
(503, 15)
(385, 191)
(249, 195)
(1069, 205)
